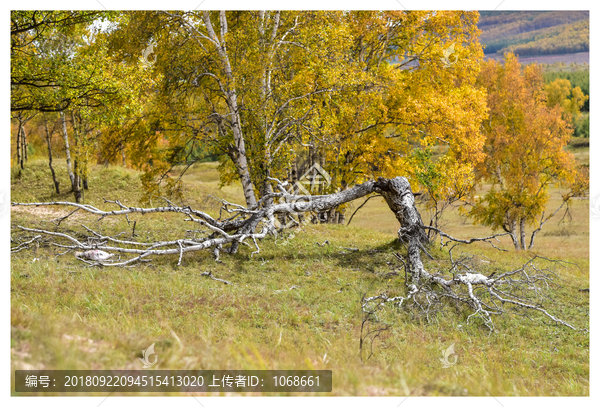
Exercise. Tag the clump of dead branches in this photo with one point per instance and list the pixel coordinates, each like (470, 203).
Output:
(459, 285)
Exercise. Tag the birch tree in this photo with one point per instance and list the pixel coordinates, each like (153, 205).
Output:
(352, 91)
(525, 148)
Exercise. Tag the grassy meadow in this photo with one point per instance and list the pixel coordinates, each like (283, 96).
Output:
(295, 305)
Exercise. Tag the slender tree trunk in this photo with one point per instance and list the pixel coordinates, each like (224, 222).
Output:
(321, 182)
(241, 162)
(76, 170)
(294, 181)
(86, 156)
(24, 139)
(512, 229)
(240, 158)
(294, 172)
(77, 182)
(67, 149)
(22, 147)
(522, 230)
(341, 217)
(313, 159)
(320, 159)
(532, 239)
(49, 142)
(19, 161)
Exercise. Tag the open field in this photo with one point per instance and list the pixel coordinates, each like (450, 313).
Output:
(294, 306)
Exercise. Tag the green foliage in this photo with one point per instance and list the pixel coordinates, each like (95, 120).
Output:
(560, 93)
(582, 125)
(578, 78)
(426, 174)
(48, 73)
(60, 62)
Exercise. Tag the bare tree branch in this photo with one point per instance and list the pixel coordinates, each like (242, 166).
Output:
(515, 291)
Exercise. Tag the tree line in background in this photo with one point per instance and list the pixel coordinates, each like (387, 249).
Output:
(501, 24)
(270, 94)
(535, 32)
(562, 39)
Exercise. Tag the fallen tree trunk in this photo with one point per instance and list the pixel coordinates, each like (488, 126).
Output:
(245, 223)
(485, 295)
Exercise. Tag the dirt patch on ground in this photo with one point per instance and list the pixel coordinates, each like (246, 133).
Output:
(85, 344)
(42, 211)
(21, 358)
(48, 213)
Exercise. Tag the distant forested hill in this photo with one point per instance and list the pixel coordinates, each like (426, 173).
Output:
(535, 32)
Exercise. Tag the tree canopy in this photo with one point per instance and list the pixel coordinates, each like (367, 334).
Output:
(349, 90)
(363, 94)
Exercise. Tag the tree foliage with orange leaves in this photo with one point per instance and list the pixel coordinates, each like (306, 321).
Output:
(525, 148)
(362, 93)
(417, 98)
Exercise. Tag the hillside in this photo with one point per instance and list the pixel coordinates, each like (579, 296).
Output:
(534, 32)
